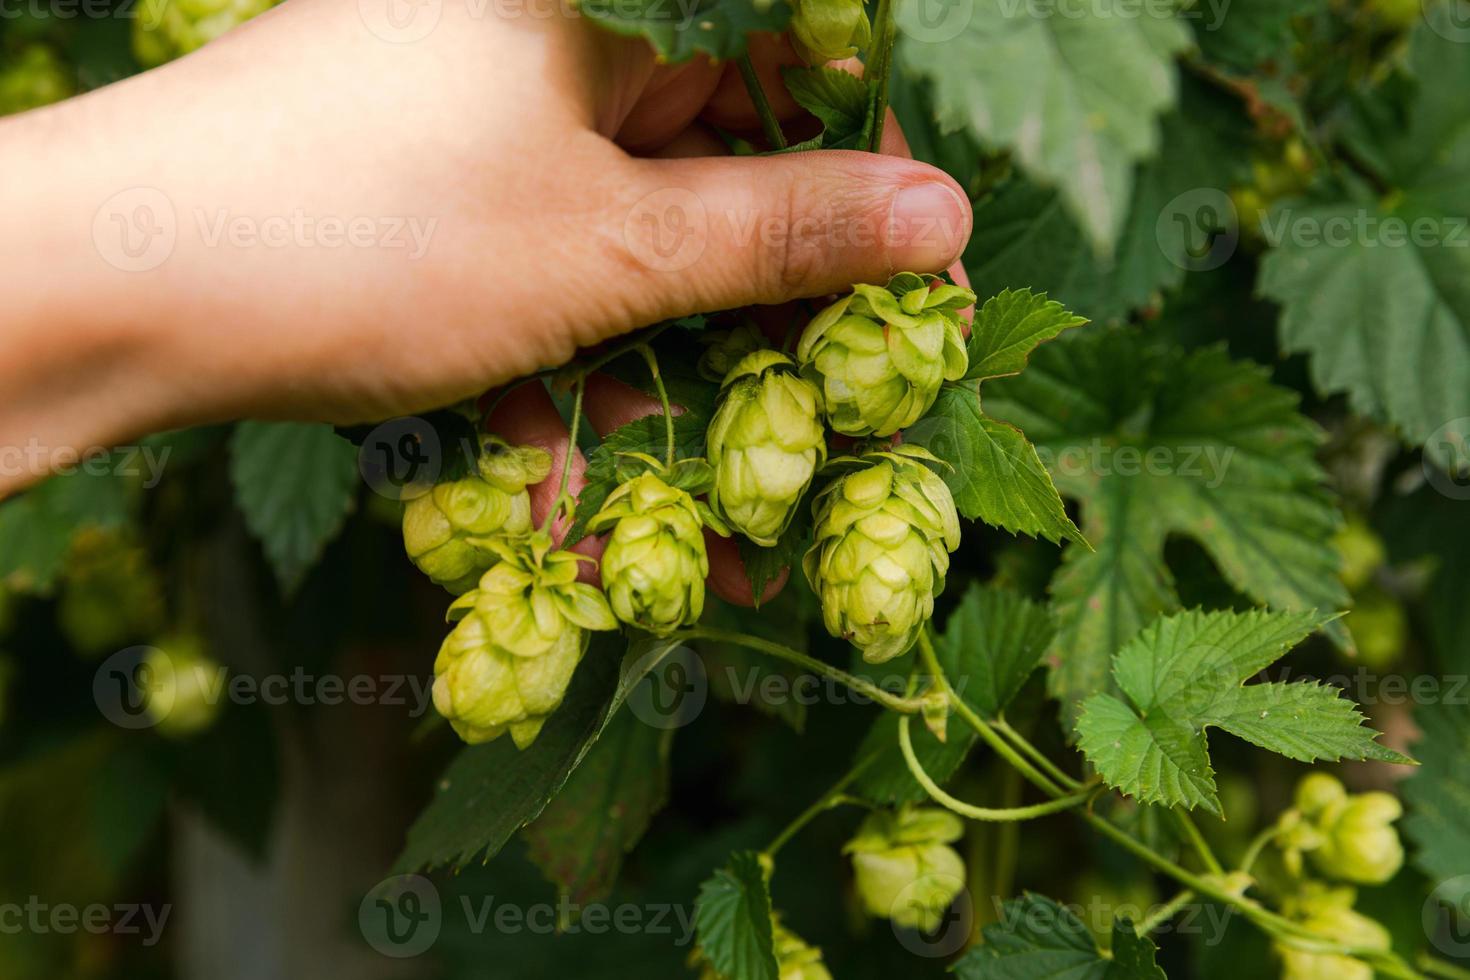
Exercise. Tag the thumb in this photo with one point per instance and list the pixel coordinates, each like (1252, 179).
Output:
(720, 232)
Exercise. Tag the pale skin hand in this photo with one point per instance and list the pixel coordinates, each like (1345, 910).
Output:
(539, 153)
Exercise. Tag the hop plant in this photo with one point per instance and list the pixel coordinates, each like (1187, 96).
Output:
(765, 443)
(1349, 837)
(904, 868)
(829, 30)
(795, 959)
(180, 685)
(880, 550)
(33, 78)
(507, 663)
(169, 29)
(880, 355)
(441, 528)
(1328, 912)
(655, 562)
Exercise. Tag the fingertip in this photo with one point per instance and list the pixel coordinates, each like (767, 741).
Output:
(727, 575)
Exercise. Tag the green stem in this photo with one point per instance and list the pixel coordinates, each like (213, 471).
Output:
(1257, 845)
(1439, 968)
(651, 359)
(1036, 755)
(1006, 815)
(769, 124)
(1164, 913)
(879, 67)
(1000, 745)
(1197, 841)
(907, 706)
(834, 797)
(563, 499)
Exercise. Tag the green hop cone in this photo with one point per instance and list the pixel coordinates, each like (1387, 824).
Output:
(507, 663)
(33, 78)
(439, 527)
(1349, 837)
(1329, 913)
(880, 550)
(1361, 552)
(765, 443)
(903, 865)
(655, 562)
(880, 355)
(1380, 628)
(169, 29)
(181, 686)
(829, 30)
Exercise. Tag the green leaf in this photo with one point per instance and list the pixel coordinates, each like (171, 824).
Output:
(1009, 327)
(643, 435)
(1389, 324)
(991, 643)
(1038, 938)
(679, 31)
(733, 919)
(1186, 673)
(1077, 98)
(295, 483)
(1438, 795)
(490, 791)
(994, 472)
(603, 810)
(1155, 441)
(1246, 33)
(1024, 236)
(838, 99)
(36, 528)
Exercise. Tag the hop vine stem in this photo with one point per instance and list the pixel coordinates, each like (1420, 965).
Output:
(770, 125)
(651, 359)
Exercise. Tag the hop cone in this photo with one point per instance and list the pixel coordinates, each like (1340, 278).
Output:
(904, 868)
(1328, 912)
(881, 548)
(765, 444)
(506, 665)
(169, 29)
(181, 686)
(829, 30)
(440, 526)
(880, 355)
(35, 77)
(655, 563)
(1349, 837)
